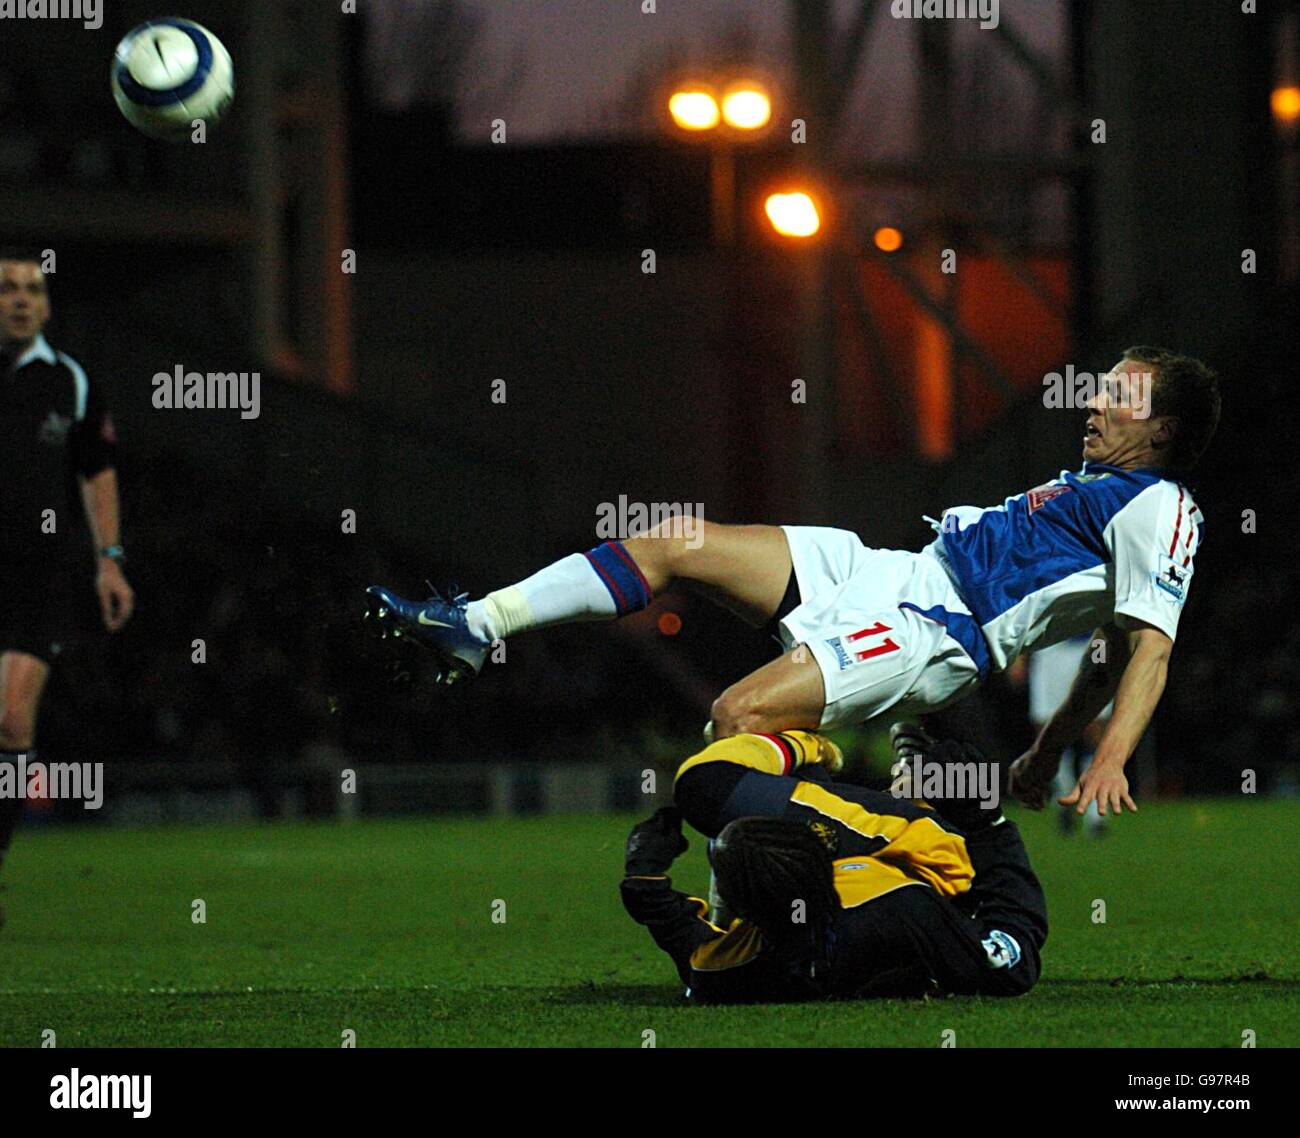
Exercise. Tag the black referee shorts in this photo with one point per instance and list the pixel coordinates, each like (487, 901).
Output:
(42, 605)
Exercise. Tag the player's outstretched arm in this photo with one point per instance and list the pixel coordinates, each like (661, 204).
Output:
(1140, 689)
(677, 921)
(1094, 686)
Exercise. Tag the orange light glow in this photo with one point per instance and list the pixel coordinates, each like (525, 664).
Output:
(694, 110)
(746, 106)
(670, 624)
(888, 239)
(793, 215)
(1286, 104)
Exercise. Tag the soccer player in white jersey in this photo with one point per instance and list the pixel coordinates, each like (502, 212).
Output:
(1106, 551)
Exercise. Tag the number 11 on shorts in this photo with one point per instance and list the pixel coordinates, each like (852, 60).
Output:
(876, 629)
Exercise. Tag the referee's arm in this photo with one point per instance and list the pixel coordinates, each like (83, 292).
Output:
(99, 496)
(94, 452)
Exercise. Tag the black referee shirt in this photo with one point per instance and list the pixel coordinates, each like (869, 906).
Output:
(53, 426)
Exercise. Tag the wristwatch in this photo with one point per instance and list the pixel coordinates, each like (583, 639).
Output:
(113, 553)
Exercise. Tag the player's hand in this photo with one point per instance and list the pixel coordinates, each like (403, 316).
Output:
(1031, 778)
(653, 845)
(116, 600)
(1106, 786)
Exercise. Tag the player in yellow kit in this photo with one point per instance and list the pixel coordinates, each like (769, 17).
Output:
(838, 890)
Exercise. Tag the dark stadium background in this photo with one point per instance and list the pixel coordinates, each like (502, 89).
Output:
(522, 261)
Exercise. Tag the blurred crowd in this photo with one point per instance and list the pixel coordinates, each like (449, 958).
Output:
(286, 663)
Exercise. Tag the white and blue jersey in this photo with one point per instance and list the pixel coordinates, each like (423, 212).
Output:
(903, 633)
(1066, 557)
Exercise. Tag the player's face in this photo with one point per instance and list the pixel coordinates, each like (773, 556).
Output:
(24, 301)
(1121, 427)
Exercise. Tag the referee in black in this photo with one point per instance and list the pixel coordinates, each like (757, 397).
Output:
(57, 444)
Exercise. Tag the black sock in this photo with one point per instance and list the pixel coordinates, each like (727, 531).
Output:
(702, 792)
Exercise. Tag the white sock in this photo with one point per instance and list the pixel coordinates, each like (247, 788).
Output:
(568, 590)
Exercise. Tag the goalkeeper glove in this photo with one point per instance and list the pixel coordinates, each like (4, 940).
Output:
(654, 844)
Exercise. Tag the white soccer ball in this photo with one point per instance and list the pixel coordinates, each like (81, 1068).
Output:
(168, 73)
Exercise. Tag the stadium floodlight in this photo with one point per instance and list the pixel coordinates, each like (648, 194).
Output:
(1285, 102)
(746, 106)
(793, 214)
(724, 124)
(694, 109)
(888, 239)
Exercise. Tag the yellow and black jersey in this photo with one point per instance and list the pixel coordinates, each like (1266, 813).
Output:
(757, 777)
(921, 905)
(894, 935)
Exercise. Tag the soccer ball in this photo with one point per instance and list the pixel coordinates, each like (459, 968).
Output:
(167, 73)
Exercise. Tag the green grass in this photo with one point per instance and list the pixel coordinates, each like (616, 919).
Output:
(385, 928)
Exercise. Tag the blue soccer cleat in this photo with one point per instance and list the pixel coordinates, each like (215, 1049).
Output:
(436, 624)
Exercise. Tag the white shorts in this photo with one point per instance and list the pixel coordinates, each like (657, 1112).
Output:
(861, 617)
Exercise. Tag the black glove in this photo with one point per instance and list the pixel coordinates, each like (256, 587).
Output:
(654, 844)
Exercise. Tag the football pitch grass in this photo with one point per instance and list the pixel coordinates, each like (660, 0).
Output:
(386, 929)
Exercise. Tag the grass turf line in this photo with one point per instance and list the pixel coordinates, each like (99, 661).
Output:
(385, 928)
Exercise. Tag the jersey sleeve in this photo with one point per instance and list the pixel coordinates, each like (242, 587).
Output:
(92, 439)
(678, 923)
(1152, 542)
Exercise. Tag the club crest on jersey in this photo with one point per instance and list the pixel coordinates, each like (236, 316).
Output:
(1039, 496)
(55, 428)
(1171, 579)
(825, 834)
(1002, 950)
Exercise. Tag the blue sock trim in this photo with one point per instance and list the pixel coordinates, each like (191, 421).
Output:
(620, 575)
